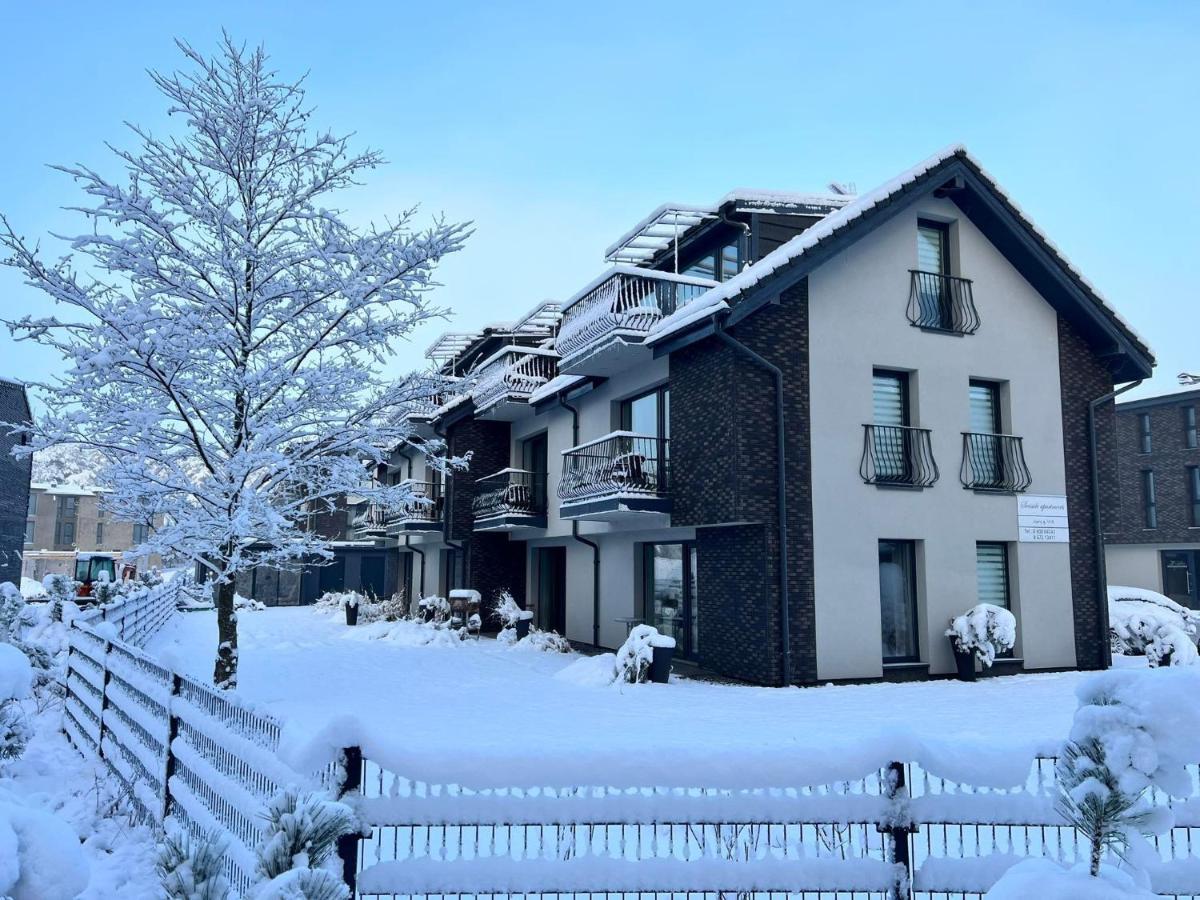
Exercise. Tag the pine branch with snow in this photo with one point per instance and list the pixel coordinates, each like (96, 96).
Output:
(224, 326)
(301, 836)
(189, 868)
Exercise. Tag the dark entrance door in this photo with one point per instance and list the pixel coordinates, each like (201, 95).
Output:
(406, 585)
(551, 566)
(372, 576)
(333, 575)
(1179, 571)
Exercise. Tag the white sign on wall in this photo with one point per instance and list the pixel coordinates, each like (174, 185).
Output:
(1042, 519)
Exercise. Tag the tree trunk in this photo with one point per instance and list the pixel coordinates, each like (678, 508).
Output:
(225, 672)
(1097, 850)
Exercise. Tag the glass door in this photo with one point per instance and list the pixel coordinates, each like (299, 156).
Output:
(670, 591)
(1179, 571)
(984, 423)
(898, 601)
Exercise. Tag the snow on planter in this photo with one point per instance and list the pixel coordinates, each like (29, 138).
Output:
(984, 630)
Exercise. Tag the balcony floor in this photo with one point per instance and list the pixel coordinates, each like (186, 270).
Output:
(610, 355)
(509, 522)
(617, 508)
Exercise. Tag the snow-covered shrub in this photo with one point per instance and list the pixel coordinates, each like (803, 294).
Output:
(40, 855)
(1146, 623)
(16, 683)
(634, 657)
(12, 608)
(189, 868)
(300, 841)
(1132, 732)
(508, 610)
(60, 587)
(246, 604)
(1044, 879)
(150, 577)
(985, 630)
(393, 609)
(537, 641)
(434, 608)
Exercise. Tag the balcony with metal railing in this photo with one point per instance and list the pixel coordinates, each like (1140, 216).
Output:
(603, 326)
(938, 302)
(614, 477)
(368, 522)
(508, 499)
(507, 378)
(994, 463)
(423, 512)
(898, 456)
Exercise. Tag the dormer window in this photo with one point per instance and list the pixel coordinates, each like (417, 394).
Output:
(719, 265)
(939, 301)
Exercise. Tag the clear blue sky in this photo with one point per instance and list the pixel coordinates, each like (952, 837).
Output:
(557, 126)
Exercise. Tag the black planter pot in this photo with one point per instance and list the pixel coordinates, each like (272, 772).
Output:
(351, 614)
(660, 664)
(523, 626)
(965, 661)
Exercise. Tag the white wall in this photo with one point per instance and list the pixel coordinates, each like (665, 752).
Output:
(857, 315)
(1137, 565)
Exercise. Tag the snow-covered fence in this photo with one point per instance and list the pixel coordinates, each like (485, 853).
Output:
(140, 613)
(900, 832)
(181, 748)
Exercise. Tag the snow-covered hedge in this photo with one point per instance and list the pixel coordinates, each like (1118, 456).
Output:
(985, 630)
(1147, 623)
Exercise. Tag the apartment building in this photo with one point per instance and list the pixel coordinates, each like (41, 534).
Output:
(797, 432)
(1152, 499)
(14, 481)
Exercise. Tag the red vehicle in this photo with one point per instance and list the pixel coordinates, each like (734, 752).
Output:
(89, 567)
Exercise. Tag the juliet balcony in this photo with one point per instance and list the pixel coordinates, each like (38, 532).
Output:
(421, 513)
(615, 477)
(943, 303)
(504, 381)
(898, 456)
(509, 499)
(604, 325)
(994, 463)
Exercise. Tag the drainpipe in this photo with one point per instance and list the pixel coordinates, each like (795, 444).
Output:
(744, 242)
(1101, 568)
(780, 490)
(421, 553)
(577, 536)
(448, 509)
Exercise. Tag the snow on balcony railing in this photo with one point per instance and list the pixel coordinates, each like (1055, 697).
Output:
(425, 505)
(513, 373)
(624, 300)
(618, 463)
(510, 492)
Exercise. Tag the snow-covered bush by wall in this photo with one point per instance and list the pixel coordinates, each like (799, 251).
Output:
(509, 611)
(1147, 623)
(985, 630)
(12, 607)
(434, 608)
(60, 587)
(189, 868)
(246, 604)
(297, 856)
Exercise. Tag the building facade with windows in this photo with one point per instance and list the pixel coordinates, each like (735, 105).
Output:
(14, 481)
(1152, 505)
(791, 431)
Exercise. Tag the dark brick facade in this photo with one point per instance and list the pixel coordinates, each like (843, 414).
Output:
(14, 483)
(1083, 377)
(723, 466)
(1169, 458)
(492, 562)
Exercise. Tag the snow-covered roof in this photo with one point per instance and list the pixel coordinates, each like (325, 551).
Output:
(717, 299)
(67, 490)
(554, 385)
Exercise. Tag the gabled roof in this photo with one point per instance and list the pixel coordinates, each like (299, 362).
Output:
(981, 199)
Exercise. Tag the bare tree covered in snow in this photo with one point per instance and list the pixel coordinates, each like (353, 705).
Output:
(226, 325)
(68, 464)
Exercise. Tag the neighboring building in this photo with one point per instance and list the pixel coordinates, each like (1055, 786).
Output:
(14, 481)
(65, 517)
(1152, 505)
(932, 357)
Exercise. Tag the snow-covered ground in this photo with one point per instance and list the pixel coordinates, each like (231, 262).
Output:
(482, 714)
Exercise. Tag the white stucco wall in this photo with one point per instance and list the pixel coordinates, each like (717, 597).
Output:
(1137, 565)
(857, 315)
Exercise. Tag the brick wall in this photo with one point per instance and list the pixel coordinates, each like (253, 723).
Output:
(1083, 378)
(1169, 458)
(14, 484)
(724, 471)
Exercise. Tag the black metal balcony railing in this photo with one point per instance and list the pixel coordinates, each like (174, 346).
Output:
(630, 301)
(510, 492)
(618, 463)
(942, 302)
(898, 455)
(516, 373)
(994, 462)
(425, 505)
(369, 520)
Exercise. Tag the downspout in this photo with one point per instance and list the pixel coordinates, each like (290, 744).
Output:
(448, 509)
(577, 536)
(780, 490)
(1101, 567)
(421, 553)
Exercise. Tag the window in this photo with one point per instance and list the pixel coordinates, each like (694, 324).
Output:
(933, 247)
(1144, 432)
(534, 458)
(729, 261)
(1194, 493)
(648, 414)
(29, 524)
(991, 573)
(141, 534)
(705, 267)
(986, 452)
(898, 601)
(70, 507)
(33, 501)
(99, 534)
(1189, 428)
(669, 593)
(889, 397)
(64, 533)
(1149, 500)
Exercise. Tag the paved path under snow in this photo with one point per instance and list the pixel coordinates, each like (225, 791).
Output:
(487, 715)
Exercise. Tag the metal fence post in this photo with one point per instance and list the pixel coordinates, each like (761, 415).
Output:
(897, 827)
(103, 698)
(347, 844)
(172, 733)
